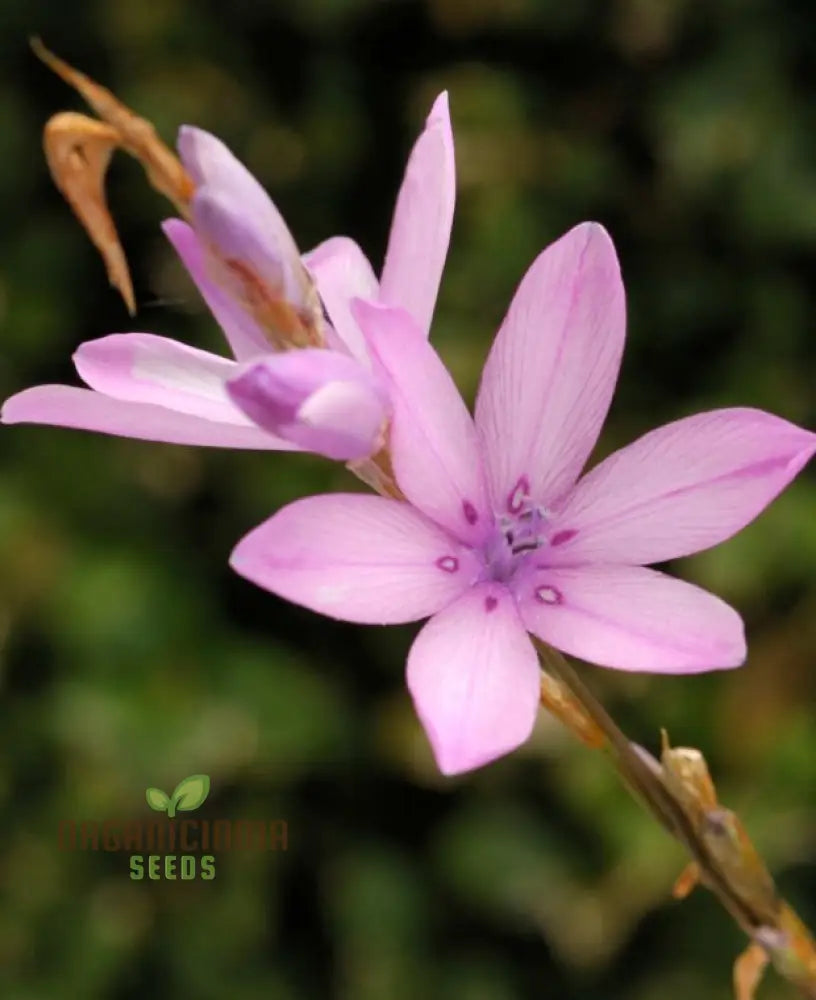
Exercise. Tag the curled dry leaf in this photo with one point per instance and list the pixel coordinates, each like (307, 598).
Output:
(78, 150)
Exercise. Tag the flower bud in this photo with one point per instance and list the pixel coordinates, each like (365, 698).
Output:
(321, 400)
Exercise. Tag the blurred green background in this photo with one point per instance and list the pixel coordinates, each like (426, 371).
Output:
(131, 656)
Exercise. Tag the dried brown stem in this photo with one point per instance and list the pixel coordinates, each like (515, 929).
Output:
(677, 790)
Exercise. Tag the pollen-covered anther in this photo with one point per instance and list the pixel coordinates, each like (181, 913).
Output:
(524, 532)
(549, 595)
(527, 545)
(519, 493)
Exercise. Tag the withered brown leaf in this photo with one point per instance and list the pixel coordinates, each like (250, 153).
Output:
(79, 149)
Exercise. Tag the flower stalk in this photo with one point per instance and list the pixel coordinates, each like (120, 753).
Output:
(677, 790)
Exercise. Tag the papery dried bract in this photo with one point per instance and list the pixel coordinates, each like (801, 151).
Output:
(686, 881)
(78, 150)
(137, 136)
(687, 778)
(748, 970)
(720, 830)
(560, 702)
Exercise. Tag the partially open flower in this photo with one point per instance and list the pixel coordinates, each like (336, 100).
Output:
(243, 259)
(247, 246)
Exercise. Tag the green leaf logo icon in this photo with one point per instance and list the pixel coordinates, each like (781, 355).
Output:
(189, 794)
(157, 799)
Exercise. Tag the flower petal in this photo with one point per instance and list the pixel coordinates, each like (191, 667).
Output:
(254, 260)
(356, 557)
(681, 488)
(434, 449)
(83, 409)
(252, 251)
(325, 401)
(215, 168)
(475, 680)
(342, 272)
(551, 372)
(420, 231)
(143, 368)
(244, 335)
(630, 618)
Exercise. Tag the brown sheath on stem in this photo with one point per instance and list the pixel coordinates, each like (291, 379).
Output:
(680, 794)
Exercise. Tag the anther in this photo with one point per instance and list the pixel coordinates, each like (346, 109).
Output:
(525, 546)
(515, 501)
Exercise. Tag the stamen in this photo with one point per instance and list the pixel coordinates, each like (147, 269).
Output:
(560, 537)
(530, 546)
(515, 501)
(490, 603)
(518, 533)
(470, 512)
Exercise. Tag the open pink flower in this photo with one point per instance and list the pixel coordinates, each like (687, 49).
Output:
(498, 537)
(244, 261)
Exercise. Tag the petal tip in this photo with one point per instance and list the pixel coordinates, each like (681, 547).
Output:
(597, 237)
(7, 411)
(173, 227)
(440, 110)
(453, 757)
(188, 139)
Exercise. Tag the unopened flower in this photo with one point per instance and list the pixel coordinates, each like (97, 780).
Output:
(499, 537)
(246, 250)
(245, 262)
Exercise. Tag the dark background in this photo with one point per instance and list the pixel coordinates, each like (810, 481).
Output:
(132, 656)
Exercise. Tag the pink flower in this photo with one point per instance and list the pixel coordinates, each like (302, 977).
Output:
(499, 537)
(245, 262)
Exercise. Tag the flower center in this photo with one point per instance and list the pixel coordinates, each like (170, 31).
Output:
(518, 533)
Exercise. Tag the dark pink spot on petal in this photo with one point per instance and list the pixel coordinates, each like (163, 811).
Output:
(450, 564)
(549, 595)
(490, 602)
(518, 495)
(560, 537)
(470, 512)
